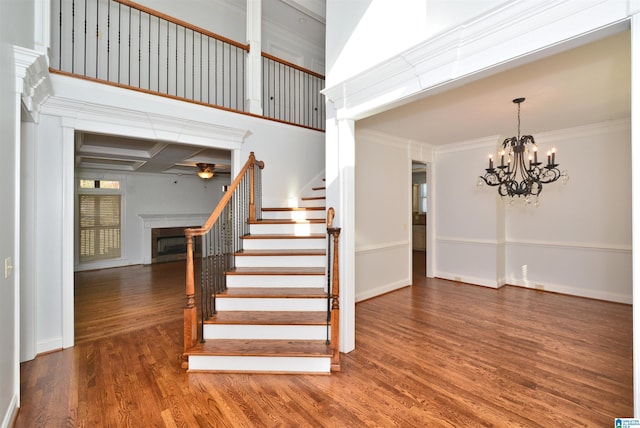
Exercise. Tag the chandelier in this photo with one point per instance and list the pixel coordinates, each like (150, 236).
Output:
(519, 172)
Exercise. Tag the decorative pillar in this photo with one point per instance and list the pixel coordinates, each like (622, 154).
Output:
(68, 231)
(254, 57)
(33, 88)
(340, 183)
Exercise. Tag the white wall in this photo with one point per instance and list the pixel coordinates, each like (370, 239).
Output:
(16, 29)
(222, 18)
(469, 225)
(383, 214)
(578, 241)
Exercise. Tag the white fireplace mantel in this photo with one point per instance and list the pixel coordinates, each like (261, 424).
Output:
(152, 221)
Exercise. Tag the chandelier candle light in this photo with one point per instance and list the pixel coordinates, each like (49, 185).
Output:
(519, 177)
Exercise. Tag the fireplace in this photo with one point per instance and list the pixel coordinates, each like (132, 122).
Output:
(169, 244)
(166, 225)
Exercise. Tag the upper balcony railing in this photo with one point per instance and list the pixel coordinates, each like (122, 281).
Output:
(129, 45)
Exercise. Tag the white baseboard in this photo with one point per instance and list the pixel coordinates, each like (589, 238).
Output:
(49, 345)
(469, 279)
(578, 292)
(11, 413)
(383, 289)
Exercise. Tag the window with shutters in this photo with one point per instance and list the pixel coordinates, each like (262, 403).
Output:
(99, 226)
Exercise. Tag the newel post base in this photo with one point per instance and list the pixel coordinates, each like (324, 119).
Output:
(190, 312)
(334, 232)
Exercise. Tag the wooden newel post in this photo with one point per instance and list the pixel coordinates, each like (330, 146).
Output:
(335, 301)
(190, 315)
(252, 187)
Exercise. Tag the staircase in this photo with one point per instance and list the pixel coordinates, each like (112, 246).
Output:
(273, 316)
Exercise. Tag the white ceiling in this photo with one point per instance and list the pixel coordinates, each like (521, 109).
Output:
(588, 84)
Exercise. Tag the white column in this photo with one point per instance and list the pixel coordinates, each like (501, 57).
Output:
(15, 263)
(340, 183)
(28, 242)
(635, 204)
(254, 58)
(42, 26)
(68, 191)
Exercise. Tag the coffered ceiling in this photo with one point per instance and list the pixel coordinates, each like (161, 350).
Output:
(108, 152)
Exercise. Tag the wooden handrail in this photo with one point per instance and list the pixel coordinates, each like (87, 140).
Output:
(292, 65)
(177, 21)
(190, 310)
(251, 162)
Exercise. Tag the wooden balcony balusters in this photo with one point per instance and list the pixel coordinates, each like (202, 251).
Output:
(126, 44)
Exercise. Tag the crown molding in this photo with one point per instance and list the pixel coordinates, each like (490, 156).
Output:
(517, 32)
(90, 117)
(490, 142)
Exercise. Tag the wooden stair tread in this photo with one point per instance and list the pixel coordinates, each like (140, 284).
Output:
(319, 188)
(286, 236)
(288, 221)
(269, 318)
(309, 252)
(262, 348)
(277, 271)
(313, 198)
(291, 209)
(275, 292)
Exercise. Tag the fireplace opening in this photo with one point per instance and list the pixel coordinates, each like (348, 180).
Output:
(169, 244)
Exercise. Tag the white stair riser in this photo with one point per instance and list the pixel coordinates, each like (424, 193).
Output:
(313, 203)
(275, 281)
(260, 332)
(260, 364)
(284, 244)
(281, 261)
(294, 215)
(298, 229)
(270, 304)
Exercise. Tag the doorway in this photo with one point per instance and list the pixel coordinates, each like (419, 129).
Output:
(419, 212)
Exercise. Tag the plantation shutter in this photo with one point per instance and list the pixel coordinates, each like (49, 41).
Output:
(99, 227)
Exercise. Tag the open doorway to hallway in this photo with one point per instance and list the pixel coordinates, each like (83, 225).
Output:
(419, 208)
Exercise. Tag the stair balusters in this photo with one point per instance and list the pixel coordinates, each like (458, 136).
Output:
(221, 237)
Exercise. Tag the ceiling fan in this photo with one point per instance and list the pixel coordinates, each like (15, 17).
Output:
(206, 171)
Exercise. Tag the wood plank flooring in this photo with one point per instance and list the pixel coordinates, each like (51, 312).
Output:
(437, 354)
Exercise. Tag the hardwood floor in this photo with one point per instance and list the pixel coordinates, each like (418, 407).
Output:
(116, 301)
(438, 354)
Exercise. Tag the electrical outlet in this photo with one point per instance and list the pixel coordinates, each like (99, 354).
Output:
(8, 267)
